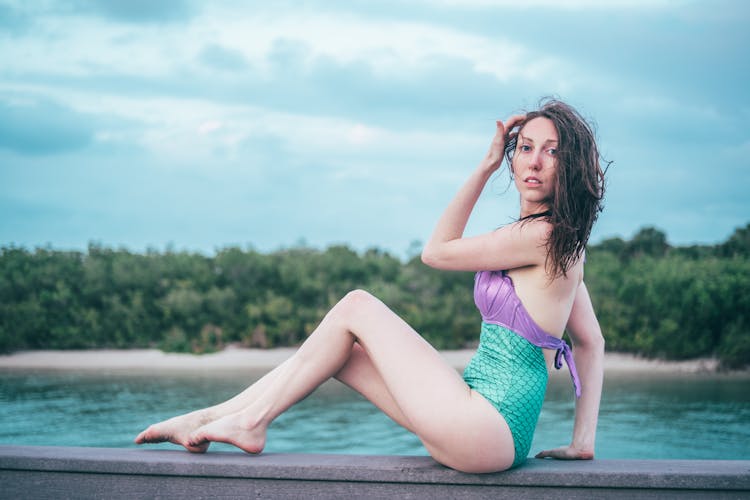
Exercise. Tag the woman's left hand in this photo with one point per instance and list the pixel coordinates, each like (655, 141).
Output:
(503, 132)
(567, 453)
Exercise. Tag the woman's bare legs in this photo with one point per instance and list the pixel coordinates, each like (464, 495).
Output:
(393, 367)
(358, 373)
(177, 430)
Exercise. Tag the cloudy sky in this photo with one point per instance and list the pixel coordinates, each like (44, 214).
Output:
(200, 125)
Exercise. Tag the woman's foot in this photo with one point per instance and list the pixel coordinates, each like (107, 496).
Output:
(235, 429)
(177, 430)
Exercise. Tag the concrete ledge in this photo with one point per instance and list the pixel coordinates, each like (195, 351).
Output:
(65, 472)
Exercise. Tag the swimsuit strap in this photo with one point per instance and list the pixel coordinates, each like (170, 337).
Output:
(546, 213)
(564, 351)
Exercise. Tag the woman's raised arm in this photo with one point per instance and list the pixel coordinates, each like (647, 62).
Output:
(513, 246)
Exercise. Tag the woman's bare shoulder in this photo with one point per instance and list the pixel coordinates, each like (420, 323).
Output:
(532, 231)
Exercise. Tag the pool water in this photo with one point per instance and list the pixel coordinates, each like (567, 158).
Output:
(646, 417)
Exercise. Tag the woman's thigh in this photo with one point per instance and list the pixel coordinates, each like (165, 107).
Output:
(421, 391)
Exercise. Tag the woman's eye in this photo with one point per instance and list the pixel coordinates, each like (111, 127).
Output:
(525, 147)
(552, 151)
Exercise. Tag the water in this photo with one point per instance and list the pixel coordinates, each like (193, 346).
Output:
(662, 416)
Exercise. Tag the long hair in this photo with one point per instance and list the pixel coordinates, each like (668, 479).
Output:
(579, 184)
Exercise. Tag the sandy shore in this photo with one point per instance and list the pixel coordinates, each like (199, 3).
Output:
(257, 359)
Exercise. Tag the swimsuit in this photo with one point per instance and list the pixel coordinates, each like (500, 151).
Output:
(508, 368)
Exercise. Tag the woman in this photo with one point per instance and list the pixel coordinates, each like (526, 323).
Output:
(483, 421)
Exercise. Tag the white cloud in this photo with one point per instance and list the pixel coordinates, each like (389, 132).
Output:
(209, 126)
(64, 45)
(361, 135)
(259, 102)
(389, 47)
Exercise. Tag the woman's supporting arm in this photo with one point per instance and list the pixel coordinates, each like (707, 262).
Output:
(588, 351)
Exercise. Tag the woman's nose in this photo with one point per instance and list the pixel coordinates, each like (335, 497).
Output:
(536, 162)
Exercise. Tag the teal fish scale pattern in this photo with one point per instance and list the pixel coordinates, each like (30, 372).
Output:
(510, 373)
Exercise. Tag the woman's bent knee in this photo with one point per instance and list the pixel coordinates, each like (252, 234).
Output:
(359, 296)
(350, 307)
(356, 302)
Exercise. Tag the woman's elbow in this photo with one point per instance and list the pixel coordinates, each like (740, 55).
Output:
(601, 343)
(429, 257)
(593, 341)
(438, 260)
(596, 341)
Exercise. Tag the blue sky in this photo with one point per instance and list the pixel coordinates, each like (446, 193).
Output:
(200, 125)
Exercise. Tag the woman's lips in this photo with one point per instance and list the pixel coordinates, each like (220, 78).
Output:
(532, 181)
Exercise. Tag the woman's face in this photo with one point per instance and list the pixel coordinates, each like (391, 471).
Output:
(535, 164)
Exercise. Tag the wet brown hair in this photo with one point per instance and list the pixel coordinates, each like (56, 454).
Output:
(579, 183)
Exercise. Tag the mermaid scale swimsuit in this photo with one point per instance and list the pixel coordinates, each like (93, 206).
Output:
(508, 368)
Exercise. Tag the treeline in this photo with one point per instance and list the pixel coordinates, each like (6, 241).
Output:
(651, 298)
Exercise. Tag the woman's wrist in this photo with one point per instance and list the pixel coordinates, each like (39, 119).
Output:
(584, 446)
(486, 169)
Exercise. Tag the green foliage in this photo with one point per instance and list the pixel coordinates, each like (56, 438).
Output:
(674, 303)
(651, 298)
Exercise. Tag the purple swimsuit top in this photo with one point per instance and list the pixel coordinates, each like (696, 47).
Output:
(495, 296)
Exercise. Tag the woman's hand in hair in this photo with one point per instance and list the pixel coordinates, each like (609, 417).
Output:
(494, 157)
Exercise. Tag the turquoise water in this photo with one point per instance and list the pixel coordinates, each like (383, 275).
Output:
(675, 416)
